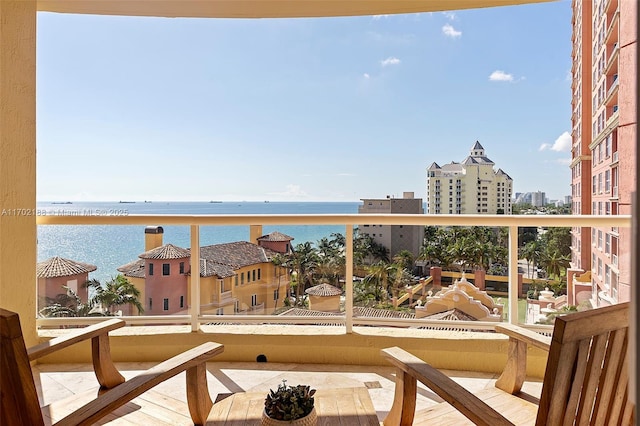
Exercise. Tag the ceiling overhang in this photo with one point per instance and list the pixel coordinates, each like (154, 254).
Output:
(263, 8)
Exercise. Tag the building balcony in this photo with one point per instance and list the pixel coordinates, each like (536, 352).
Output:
(612, 30)
(301, 346)
(157, 337)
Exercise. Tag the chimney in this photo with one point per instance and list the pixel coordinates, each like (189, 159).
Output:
(152, 237)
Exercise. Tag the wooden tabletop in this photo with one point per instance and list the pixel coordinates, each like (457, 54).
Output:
(342, 406)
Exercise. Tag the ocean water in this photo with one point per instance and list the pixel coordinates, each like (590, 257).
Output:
(109, 247)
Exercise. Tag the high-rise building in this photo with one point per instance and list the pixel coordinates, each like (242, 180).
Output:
(394, 237)
(603, 140)
(469, 187)
(538, 199)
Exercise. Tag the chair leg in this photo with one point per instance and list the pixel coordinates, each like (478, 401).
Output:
(404, 401)
(107, 374)
(515, 371)
(198, 397)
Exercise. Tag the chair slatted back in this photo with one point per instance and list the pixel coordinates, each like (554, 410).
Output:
(586, 378)
(19, 404)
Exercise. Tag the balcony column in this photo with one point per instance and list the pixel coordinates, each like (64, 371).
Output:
(194, 308)
(514, 289)
(18, 249)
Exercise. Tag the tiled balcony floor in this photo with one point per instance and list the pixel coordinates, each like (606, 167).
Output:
(57, 382)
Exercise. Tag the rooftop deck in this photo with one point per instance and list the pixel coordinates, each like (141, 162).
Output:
(166, 403)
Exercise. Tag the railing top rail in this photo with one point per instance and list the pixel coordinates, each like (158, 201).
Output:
(342, 219)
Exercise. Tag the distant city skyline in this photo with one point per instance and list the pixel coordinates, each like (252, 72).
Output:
(331, 109)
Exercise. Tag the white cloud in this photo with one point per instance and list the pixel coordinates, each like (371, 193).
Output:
(561, 144)
(378, 17)
(449, 31)
(391, 60)
(499, 75)
(450, 15)
(366, 76)
(564, 161)
(292, 191)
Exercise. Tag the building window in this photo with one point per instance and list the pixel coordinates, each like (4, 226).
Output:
(166, 269)
(236, 280)
(150, 303)
(182, 301)
(182, 267)
(242, 278)
(259, 273)
(165, 304)
(254, 299)
(276, 294)
(150, 268)
(253, 275)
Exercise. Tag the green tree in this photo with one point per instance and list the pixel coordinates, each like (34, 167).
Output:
(279, 262)
(68, 304)
(532, 253)
(116, 292)
(555, 263)
(377, 280)
(302, 260)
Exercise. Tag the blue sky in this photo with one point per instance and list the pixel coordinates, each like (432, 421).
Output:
(332, 109)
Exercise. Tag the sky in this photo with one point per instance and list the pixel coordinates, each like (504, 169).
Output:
(322, 109)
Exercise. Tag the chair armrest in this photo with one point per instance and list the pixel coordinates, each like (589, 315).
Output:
(73, 337)
(411, 368)
(106, 373)
(515, 371)
(522, 334)
(192, 361)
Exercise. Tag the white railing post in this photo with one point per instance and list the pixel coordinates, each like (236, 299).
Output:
(194, 308)
(348, 278)
(513, 275)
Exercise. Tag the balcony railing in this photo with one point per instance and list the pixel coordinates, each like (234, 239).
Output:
(195, 319)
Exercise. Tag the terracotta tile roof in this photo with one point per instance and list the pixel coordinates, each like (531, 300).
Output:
(167, 251)
(275, 236)
(357, 312)
(133, 269)
(323, 290)
(209, 268)
(297, 312)
(237, 254)
(452, 315)
(60, 267)
(381, 313)
(219, 260)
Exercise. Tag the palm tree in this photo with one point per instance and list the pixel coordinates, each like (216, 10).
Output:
(303, 260)
(278, 261)
(116, 292)
(532, 252)
(555, 263)
(377, 279)
(404, 258)
(68, 304)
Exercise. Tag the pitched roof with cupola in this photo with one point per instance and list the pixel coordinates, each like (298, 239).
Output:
(61, 267)
(275, 236)
(323, 290)
(166, 252)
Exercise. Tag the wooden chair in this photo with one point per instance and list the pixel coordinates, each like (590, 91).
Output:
(20, 404)
(585, 381)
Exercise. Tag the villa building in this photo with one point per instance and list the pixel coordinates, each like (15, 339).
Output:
(469, 187)
(603, 141)
(394, 237)
(55, 273)
(235, 277)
